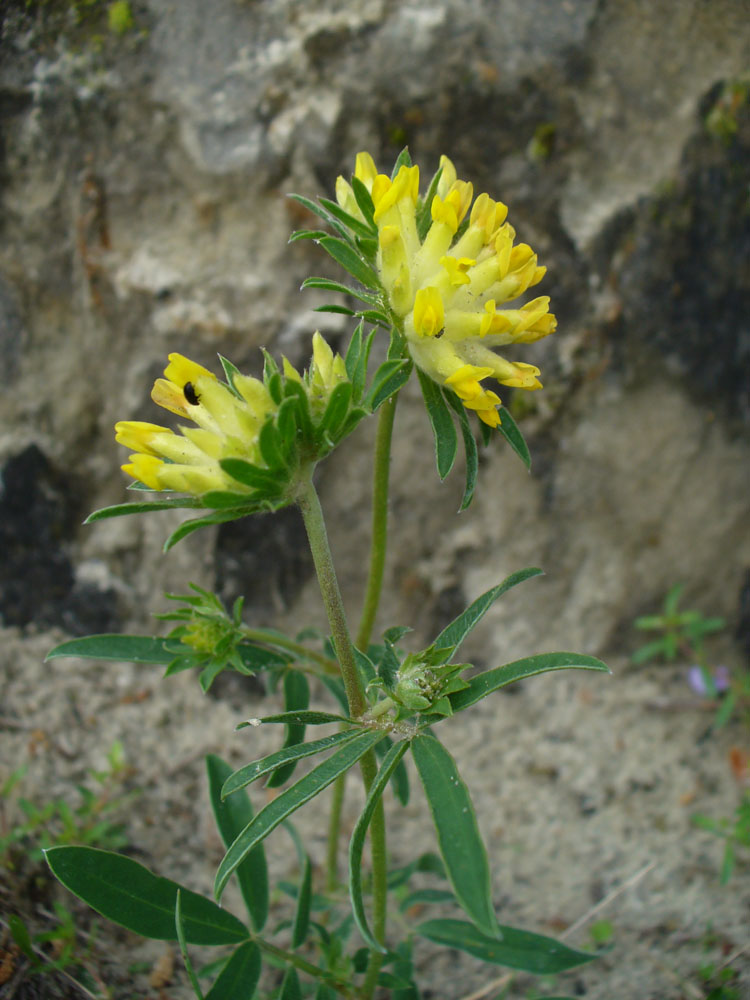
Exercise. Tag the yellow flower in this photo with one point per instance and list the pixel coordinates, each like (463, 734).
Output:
(227, 427)
(447, 291)
(324, 374)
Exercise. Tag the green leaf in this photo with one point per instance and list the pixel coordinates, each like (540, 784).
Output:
(357, 843)
(364, 200)
(336, 410)
(400, 777)
(321, 212)
(356, 226)
(327, 284)
(272, 447)
(128, 648)
(230, 371)
(251, 475)
(188, 527)
(290, 800)
(20, 933)
(232, 816)
(510, 431)
(454, 634)
(303, 718)
(491, 680)
(516, 949)
(251, 772)
(350, 260)
(290, 987)
(460, 842)
(424, 214)
(142, 508)
(389, 378)
(306, 234)
(130, 895)
(304, 899)
(470, 447)
(296, 698)
(224, 499)
(402, 160)
(180, 931)
(239, 977)
(446, 439)
(257, 658)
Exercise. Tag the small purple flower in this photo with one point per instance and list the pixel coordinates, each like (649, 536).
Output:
(697, 680)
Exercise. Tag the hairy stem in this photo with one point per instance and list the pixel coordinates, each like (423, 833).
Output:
(379, 539)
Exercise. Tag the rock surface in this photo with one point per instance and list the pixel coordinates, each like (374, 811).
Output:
(143, 212)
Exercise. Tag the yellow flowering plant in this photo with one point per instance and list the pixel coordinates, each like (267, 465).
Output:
(442, 274)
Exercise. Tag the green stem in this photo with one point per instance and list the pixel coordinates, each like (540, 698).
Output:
(290, 958)
(379, 539)
(312, 514)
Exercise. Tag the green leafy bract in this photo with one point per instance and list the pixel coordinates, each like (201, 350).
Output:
(130, 895)
(290, 800)
(511, 947)
(232, 816)
(461, 845)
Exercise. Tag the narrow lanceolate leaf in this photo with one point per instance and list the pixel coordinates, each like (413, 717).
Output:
(364, 200)
(290, 800)
(232, 816)
(180, 930)
(446, 439)
(516, 949)
(491, 680)
(512, 434)
(350, 260)
(251, 772)
(188, 527)
(356, 226)
(130, 895)
(239, 977)
(389, 378)
(470, 447)
(327, 284)
(128, 648)
(304, 718)
(454, 634)
(390, 762)
(460, 842)
(296, 698)
(304, 899)
(290, 987)
(141, 508)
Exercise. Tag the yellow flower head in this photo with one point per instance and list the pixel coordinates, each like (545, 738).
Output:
(227, 426)
(448, 289)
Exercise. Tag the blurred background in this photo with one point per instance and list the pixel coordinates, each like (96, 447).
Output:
(147, 150)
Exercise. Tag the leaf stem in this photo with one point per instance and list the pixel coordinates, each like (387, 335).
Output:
(262, 637)
(379, 539)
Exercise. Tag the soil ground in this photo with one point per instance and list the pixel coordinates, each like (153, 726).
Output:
(584, 786)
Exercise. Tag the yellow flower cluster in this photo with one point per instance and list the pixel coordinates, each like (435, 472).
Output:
(228, 424)
(227, 427)
(446, 291)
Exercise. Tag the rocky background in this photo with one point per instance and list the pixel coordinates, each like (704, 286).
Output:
(146, 155)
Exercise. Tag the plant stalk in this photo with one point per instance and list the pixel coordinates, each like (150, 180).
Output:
(379, 539)
(312, 514)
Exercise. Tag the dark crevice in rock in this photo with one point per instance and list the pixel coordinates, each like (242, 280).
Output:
(266, 559)
(677, 262)
(39, 512)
